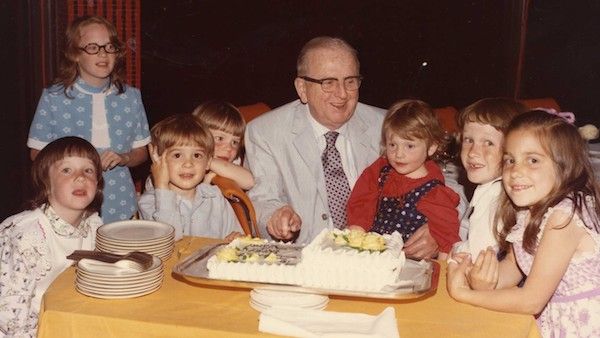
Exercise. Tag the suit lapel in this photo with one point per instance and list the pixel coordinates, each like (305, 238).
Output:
(307, 149)
(362, 144)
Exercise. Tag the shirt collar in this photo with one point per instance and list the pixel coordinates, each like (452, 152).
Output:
(89, 89)
(321, 130)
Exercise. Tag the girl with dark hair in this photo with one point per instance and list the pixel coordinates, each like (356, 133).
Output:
(67, 179)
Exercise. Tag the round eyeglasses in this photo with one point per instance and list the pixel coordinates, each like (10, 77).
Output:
(94, 48)
(329, 85)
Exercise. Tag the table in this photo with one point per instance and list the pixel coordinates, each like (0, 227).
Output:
(182, 309)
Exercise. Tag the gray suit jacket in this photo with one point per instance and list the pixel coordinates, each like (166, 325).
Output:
(283, 155)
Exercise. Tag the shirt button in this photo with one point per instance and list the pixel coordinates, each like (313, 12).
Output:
(324, 217)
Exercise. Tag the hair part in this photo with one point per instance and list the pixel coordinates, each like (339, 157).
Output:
(323, 42)
(56, 151)
(495, 111)
(182, 129)
(412, 119)
(575, 175)
(69, 68)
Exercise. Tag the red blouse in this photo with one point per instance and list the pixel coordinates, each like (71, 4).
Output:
(439, 205)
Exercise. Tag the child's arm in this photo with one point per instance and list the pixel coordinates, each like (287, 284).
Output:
(242, 176)
(362, 203)
(18, 279)
(557, 246)
(355, 228)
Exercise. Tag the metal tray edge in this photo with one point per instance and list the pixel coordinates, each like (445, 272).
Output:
(200, 256)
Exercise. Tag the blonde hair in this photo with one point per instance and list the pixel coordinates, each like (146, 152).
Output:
(495, 111)
(412, 119)
(69, 69)
(221, 116)
(182, 129)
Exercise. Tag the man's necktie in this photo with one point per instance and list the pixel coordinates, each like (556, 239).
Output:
(338, 189)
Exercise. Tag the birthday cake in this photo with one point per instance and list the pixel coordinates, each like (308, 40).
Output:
(335, 259)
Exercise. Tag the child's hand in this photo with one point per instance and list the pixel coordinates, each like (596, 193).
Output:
(356, 228)
(456, 279)
(209, 177)
(159, 168)
(110, 159)
(458, 257)
(233, 236)
(484, 273)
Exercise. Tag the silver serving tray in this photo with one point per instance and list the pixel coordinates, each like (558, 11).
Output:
(419, 278)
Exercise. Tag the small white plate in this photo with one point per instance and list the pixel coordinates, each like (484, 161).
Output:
(117, 285)
(135, 231)
(123, 296)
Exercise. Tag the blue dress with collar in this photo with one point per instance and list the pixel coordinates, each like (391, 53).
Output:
(108, 120)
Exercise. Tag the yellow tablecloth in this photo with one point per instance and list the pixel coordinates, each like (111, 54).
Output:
(181, 309)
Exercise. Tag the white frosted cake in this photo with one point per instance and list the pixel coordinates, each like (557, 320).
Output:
(335, 259)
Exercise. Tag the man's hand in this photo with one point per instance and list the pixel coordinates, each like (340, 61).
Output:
(159, 168)
(421, 244)
(284, 223)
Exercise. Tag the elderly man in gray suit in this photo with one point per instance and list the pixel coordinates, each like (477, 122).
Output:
(286, 149)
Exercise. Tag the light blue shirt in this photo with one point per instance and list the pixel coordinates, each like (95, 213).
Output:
(208, 215)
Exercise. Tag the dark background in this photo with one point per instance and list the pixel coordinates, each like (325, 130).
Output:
(245, 52)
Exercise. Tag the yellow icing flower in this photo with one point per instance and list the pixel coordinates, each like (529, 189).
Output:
(355, 238)
(373, 242)
(340, 240)
(227, 254)
(254, 257)
(271, 258)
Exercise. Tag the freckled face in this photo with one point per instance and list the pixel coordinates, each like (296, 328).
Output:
(529, 174)
(73, 184)
(481, 152)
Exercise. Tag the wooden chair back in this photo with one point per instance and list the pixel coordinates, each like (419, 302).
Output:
(241, 204)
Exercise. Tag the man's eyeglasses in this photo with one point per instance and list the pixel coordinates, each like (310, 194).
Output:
(329, 85)
(94, 48)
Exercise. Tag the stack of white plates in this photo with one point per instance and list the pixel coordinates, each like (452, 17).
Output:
(157, 239)
(109, 281)
(262, 300)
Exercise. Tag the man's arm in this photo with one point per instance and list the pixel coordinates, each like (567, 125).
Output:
(267, 196)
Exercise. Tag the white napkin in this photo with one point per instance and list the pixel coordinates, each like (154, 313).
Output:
(316, 323)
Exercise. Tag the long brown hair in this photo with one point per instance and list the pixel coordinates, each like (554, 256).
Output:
(575, 176)
(69, 69)
(56, 151)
